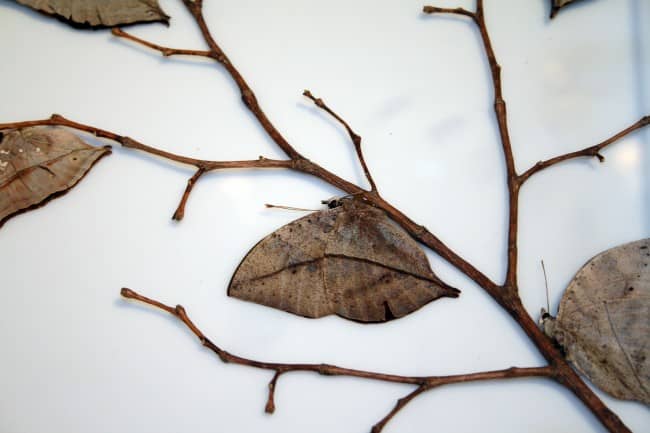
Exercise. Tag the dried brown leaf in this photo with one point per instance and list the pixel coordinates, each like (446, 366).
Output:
(100, 13)
(603, 322)
(39, 163)
(351, 260)
(556, 5)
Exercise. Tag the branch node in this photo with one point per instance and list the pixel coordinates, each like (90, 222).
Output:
(249, 98)
(270, 402)
(180, 210)
(600, 157)
(325, 370)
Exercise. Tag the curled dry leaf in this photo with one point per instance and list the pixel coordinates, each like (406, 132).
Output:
(100, 13)
(39, 163)
(603, 322)
(556, 5)
(351, 260)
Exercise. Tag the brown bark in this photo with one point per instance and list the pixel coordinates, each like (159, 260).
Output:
(505, 294)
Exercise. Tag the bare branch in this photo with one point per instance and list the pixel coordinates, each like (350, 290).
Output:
(201, 165)
(500, 111)
(377, 428)
(356, 139)
(424, 383)
(454, 11)
(270, 402)
(592, 151)
(206, 165)
(180, 210)
(165, 51)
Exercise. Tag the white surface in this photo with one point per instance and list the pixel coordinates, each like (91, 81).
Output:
(76, 358)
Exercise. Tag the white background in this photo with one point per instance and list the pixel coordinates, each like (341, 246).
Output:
(77, 358)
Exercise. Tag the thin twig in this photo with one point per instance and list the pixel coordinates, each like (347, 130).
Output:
(588, 152)
(302, 164)
(180, 210)
(165, 51)
(500, 111)
(505, 295)
(377, 428)
(270, 402)
(207, 165)
(356, 139)
(454, 11)
(247, 95)
(424, 383)
(201, 165)
(418, 231)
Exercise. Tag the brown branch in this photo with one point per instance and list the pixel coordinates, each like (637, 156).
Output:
(377, 428)
(454, 11)
(419, 232)
(302, 164)
(424, 383)
(180, 210)
(247, 95)
(201, 165)
(270, 402)
(505, 295)
(592, 151)
(206, 165)
(434, 382)
(356, 139)
(165, 51)
(500, 111)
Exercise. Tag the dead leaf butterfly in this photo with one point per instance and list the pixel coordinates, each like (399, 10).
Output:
(603, 323)
(350, 260)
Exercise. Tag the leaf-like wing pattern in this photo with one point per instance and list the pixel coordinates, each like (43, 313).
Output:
(39, 163)
(352, 261)
(603, 321)
(100, 13)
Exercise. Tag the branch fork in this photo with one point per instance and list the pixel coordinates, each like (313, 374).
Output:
(424, 383)
(505, 294)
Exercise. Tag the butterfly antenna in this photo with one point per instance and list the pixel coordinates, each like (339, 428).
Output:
(548, 305)
(274, 206)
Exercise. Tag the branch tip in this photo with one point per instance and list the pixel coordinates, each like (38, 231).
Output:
(270, 406)
(127, 293)
(270, 402)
